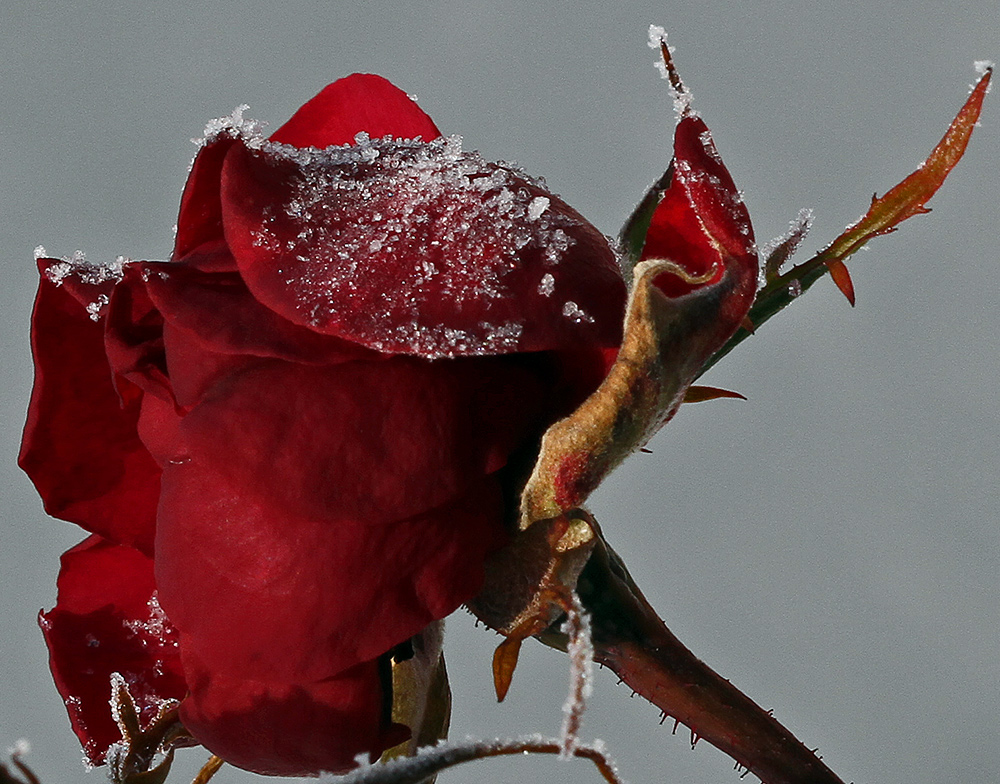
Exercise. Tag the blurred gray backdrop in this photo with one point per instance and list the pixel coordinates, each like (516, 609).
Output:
(831, 545)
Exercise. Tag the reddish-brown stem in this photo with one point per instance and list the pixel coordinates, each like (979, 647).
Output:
(631, 640)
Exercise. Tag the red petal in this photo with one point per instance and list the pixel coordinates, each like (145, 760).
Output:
(701, 220)
(80, 446)
(224, 317)
(287, 600)
(134, 335)
(288, 729)
(356, 103)
(200, 218)
(107, 621)
(411, 433)
(421, 250)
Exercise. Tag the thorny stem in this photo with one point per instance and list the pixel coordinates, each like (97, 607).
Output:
(631, 640)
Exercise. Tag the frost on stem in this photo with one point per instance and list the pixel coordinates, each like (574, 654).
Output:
(777, 251)
(431, 760)
(581, 662)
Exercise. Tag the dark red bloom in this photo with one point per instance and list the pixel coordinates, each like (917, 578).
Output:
(299, 439)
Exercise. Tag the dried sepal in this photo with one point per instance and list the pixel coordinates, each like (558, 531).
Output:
(776, 252)
(208, 770)
(666, 341)
(421, 696)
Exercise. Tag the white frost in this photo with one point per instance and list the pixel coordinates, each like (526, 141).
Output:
(581, 666)
(21, 748)
(536, 207)
(798, 228)
(573, 311)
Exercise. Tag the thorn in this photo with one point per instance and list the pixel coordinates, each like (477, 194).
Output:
(676, 725)
(840, 275)
(694, 739)
(748, 325)
(663, 717)
(645, 451)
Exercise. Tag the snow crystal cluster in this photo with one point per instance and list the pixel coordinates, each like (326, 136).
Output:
(86, 272)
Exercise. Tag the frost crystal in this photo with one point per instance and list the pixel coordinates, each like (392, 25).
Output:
(21, 748)
(86, 272)
(537, 206)
(573, 311)
(777, 251)
(234, 125)
(547, 285)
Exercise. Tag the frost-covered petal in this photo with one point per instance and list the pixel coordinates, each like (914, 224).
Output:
(419, 249)
(359, 103)
(80, 445)
(107, 620)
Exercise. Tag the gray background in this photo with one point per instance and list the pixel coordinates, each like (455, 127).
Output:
(830, 545)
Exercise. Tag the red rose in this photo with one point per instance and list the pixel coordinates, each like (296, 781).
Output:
(296, 442)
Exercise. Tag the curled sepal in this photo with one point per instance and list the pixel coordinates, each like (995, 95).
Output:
(421, 697)
(667, 339)
(886, 212)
